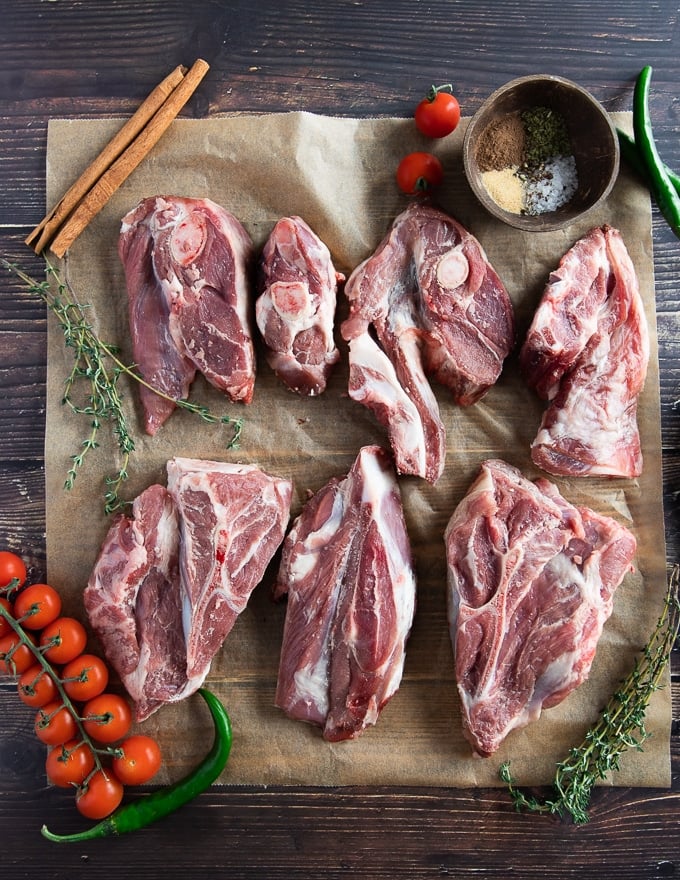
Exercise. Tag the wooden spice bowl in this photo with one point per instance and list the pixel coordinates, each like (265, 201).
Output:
(593, 139)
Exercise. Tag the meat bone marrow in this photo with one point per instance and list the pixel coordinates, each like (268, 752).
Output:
(531, 583)
(427, 302)
(347, 573)
(587, 353)
(172, 577)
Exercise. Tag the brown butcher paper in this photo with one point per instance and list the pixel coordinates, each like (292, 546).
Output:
(338, 174)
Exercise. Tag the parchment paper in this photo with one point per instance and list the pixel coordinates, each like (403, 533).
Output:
(337, 173)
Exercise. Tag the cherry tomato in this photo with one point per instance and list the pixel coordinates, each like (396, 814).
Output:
(54, 724)
(15, 657)
(36, 688)
(11, 568)
(85, 677)
(37, 606)
(69, 763)
(419, 172)
(5, 628)
(100, 796)
(107, 718)
(67, 639)
(139, 762)
(438, 114)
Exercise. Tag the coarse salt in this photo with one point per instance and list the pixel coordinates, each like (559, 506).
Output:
(552, 186)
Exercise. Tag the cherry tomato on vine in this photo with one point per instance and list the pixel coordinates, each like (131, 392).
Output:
(69, 763)
(67, 639)
(37, 606)
(11, 567)
(5, 628)
(36, 688)
(139, 762)
(54, 724)
(85, 677)
(419, 172)
(107, 718)
(15, 657)
(438, 114)
(100, 796)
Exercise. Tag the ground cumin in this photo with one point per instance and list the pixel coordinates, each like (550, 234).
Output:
(502, 144)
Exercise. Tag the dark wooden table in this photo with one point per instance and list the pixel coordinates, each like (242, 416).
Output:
(347, 57)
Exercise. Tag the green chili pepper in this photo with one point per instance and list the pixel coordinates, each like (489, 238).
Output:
(660, 184)
(630, 153)
(164, 801)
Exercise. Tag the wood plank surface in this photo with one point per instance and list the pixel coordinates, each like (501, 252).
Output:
(352, 58)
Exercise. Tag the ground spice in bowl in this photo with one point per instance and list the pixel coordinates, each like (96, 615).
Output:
(526, 161)
(505, 187)
(540, 152)
(502, 144)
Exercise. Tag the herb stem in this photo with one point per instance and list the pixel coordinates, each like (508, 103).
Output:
(98, 363)
(197, 408)
(621, 724)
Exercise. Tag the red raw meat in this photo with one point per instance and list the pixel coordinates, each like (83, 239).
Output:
(133, 603)
(346, 570)
(427, 301)
(158, 360)
(186, 264)
(531, 580)
(296, 310)
(171, 579)
(587, 351)
(410, 412)
(232, 520)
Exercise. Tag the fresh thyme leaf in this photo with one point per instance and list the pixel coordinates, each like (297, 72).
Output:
(96, 363)
(621, 724)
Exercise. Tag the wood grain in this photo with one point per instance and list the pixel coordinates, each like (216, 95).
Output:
(345, 57)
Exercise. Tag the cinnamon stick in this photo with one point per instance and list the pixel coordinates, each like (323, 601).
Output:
(44, 231)
(113, 173)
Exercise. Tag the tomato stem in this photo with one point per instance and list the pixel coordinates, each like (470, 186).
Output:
(66, 753)
(46, 718)
(10, 588)
(104, 718)
(37, 651)
(30, 687)
(6, 657)
(32, 611)
(435, 90)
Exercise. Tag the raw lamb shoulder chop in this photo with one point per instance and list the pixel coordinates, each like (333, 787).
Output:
(187, 263)
(531, 580)
(133, 603)
(171, 579)
(346, 570)
(587, 352)
(429, 302)
(296, 310)
(232, 520)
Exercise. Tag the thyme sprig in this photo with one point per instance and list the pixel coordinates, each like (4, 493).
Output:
(621, 725)
(98, 363)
